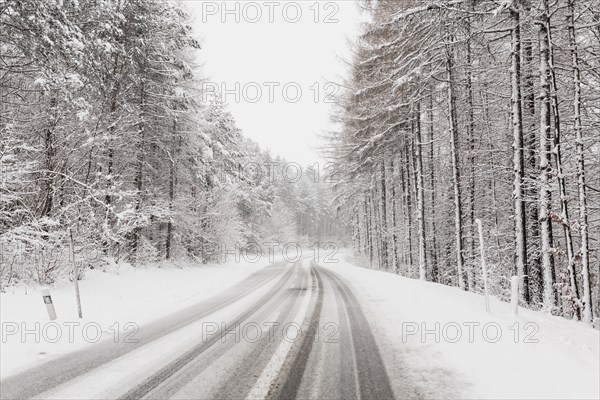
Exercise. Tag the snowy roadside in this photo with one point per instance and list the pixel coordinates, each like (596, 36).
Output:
(436, 333)
(114, 303)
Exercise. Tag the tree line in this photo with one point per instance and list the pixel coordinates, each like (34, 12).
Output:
(457, 110)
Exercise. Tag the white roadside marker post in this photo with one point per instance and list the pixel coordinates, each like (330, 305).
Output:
(75, 273)
(483, 266)
(49, 305)
(514, 297)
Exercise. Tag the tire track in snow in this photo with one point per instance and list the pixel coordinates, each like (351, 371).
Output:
(233, 364)
(286, 385)
(373, 380)
(154, 381)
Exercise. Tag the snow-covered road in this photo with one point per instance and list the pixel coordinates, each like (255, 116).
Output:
(287, 331)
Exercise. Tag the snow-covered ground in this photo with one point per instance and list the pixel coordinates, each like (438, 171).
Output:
(110, 300)
(475, 354)
(441, 339)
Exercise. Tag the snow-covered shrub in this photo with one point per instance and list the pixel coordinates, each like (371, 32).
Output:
(147, 252)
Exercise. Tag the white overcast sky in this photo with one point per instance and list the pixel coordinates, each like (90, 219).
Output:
(306, 54)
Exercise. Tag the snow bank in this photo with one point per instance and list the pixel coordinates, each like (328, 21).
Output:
(110, 301)
(444, 340)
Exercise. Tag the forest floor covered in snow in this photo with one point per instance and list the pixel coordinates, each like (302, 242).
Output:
(491, 356)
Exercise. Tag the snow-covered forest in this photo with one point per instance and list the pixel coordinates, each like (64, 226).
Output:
(462, 110)
(452, 111)
(345, 199)
(104, 129)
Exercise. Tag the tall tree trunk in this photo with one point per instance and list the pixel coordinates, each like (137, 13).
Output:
(50, 161)
(110, 153)
(376, 203)
(370, 230)
(562, 186)
(434, 260)
(532, 174)
(139, 166)
(383, 214)
(405, 225)
(49, 164)
(172, 176)
(420, 194)
(518, 160)
(545, 164)
(394, 219)
(583, 213)
(458, 228)
(409, 213)
(471, 137)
